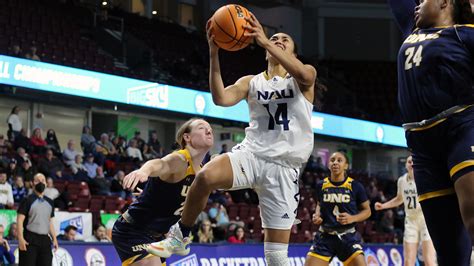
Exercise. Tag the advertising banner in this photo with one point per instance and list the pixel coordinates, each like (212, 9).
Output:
(88, 254)
(81, 220)
(89, 84)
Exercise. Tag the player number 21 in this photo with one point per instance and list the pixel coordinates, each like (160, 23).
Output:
(413, 57)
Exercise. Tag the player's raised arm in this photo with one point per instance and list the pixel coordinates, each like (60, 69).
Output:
(395, 202)
(304, 74)
(223, 96)
(164, 168)
(404, 13)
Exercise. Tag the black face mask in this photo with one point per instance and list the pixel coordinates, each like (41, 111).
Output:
(40, 187)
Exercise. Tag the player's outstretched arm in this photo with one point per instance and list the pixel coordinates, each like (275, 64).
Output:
(304, 74)
(404, 12)
(223, 96)
(164, 168)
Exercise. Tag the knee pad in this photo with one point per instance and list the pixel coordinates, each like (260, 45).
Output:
(276, 254)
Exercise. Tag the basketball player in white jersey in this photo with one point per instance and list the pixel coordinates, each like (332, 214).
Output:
(415, 227)
(279, 139)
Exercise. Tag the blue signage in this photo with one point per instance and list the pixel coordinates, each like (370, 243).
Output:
(72, 81)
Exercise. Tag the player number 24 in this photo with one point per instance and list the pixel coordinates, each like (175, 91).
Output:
(414, 56)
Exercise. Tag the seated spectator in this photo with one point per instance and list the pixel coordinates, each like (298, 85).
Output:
(91, 166)
(99, 234)
(38, 144)
(27, 171)
(70, 153)
(50, 191)
(69, 233)
(155, 145)
(13, 232)
(6, 253)
(100, 185)
(205, 234)
(6, 194)
(87, 140)
(52, 142)
(50, 165)
(19, 190)
(15, 51)
(139, 140)
(106, 148)
(133, 152)
(12, 169)
(218, 214)
(32, 54)
(116, 187)
(78, 169)
(119, 144)
(147, 154)
(4, 160)
(22, 141)
(22, 156)
(238, 237)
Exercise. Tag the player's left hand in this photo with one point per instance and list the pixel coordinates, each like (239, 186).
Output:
(55, 244)
(255, 30)
(345, 218)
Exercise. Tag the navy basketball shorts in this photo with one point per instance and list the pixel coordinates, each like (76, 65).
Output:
(442, 154)
(346, 247)
(131, 242)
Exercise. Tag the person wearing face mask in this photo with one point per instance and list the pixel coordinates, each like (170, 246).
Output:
(35, 226)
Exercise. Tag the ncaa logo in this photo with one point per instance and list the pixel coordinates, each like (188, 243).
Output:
(94, 257)
(62, 258)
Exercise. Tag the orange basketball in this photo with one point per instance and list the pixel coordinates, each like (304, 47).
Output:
(228, 22)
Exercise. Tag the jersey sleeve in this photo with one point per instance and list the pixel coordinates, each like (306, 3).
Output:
(360, 193)
(404, 12)
(467, 37)
(24, 207)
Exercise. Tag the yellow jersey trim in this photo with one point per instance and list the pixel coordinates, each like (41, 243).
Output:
(458, 167)
(265, 75)
(435, 194)
(328, 184)
(129, 261)
(352, 257)
(321, 257)
(187, 155)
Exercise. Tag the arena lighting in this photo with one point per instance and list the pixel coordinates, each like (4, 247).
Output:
(104, 3)
(83, 83)
(154, 12)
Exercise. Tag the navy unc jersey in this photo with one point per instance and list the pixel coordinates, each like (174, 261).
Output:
(161, 203)
(151, 215)
(338, 197)
(435, 66)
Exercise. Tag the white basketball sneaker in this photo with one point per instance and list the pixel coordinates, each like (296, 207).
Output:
(174, 243)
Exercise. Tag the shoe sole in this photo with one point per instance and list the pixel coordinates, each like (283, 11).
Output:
(164, 253)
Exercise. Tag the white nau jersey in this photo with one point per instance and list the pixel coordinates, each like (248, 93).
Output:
(280, 121)
(407, 188)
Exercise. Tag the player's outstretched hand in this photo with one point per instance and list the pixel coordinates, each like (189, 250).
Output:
(378, 206)
(317, 219)
(213, 48)
(132, 179)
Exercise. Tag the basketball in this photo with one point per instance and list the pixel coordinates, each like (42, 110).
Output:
(228, 22)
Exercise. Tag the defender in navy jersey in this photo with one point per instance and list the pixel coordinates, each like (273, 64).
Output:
(436, 98)
(160, 204)
(342, 202)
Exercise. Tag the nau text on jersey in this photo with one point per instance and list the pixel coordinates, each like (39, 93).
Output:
(409, 191)
(337, 198)
(415, 37)
(275, 95)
